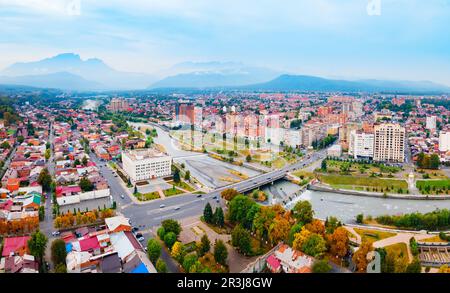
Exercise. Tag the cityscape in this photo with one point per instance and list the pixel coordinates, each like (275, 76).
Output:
(206, 169)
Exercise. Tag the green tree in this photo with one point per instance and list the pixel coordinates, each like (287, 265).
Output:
(84, 161)
(314, 245)
(414, 267)
(303, 212)
(171, 225)
(169, 239)
(208, 213)
(60, 268)
(37, 244)
(176, 176)
(59, 253)
(220, 252)
(248, 158)
(359, 218)
(218, 217)
(187, 175)
(321, 266)
(153, 250)
(324, 165)
(86, 185)
(45, 179)
(204, 245)
(189, 261)
(294, 230)
(161, 266)
(241, 239)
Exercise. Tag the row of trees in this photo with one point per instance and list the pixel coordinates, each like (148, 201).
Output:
(425, 161)
(72, 219)
(217, 218)
(154, 254)
(19, 227)
(436, 220)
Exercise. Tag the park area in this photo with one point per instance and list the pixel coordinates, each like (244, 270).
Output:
(349, 167)
(365, 183)
(434, 186)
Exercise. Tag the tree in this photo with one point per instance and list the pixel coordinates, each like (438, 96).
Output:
(294, 230)
(339, 242)
(414, 267)
(240, 238)
(248, 158)
(20, 139)
(45, 179)
(316, 226)
(178, 251)
(60, 268)
(189, 261)
(85, 161)
(218, 217)
(37, 244)
(187, 175)
(204, 245)
(176, 176)
(303, 212)
(229, 194)
(59, 252)
(360, 256)
(161, 266)
(314, 245)
(208, 213)
(169, 239)
(279, 230)
(220, 252)
(171, 225)
(86, 185)
(321, 266)
(359, 218)
(47, 154)
(135, 191)
(324, 165)
(238, 208)
(153, 250)
(434, 161)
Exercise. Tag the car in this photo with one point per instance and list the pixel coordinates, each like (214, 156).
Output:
(134, 229)
(122, 196)
(177, 208)
(217, 200)
(162, 206)
(139, 235)
(140, 239)
(55, 233)
(214, 197)
(200, 195)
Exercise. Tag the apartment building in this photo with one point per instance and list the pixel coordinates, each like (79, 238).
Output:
(118, 105)
(361, 144)
(146, 164)
(389, 142)
(444, 141)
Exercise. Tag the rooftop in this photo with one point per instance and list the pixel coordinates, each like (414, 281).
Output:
(143, 154)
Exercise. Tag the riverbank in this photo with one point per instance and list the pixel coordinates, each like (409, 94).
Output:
(329, 189)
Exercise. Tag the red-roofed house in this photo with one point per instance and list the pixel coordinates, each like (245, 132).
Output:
(90, 244)
(16, 245)
(273, 264)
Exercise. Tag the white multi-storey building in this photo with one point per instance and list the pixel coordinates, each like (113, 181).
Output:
(431, 122)
(146, 164)
(389, 143)
(361, 144)
(444, 141)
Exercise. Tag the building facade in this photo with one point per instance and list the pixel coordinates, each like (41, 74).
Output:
(361, 144)
(146, 164)
(444, 141)
(389, 142)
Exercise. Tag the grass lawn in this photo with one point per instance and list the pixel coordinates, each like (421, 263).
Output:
(147, 196)
(373, 235)
(435, 186)
(341, 180)
(400, 249)
(172, 192)
(357, 168)
(182, 185)
(279, 163)
(435, 238)
(434, 174)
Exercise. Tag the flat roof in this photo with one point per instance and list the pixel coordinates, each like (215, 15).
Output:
(142, 154)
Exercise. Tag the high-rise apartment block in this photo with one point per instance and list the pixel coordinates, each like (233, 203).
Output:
(389, 143)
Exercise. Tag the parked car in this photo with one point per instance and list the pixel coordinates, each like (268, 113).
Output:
(162, 206)
(55, 233)
(122, 196)
(177, 208)
(200, 195)
(141, 239)
(134, 229)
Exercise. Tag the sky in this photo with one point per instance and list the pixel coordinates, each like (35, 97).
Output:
(353, 39)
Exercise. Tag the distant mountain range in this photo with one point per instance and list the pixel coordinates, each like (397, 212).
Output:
(69, 72)
(213, 74)
(312, 83)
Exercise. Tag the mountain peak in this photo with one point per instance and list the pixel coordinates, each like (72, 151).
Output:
(66, 56)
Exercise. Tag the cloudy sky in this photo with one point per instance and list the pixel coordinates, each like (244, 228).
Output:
(409, 39)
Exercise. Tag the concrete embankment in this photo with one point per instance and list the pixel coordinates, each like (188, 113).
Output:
(323, 188)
